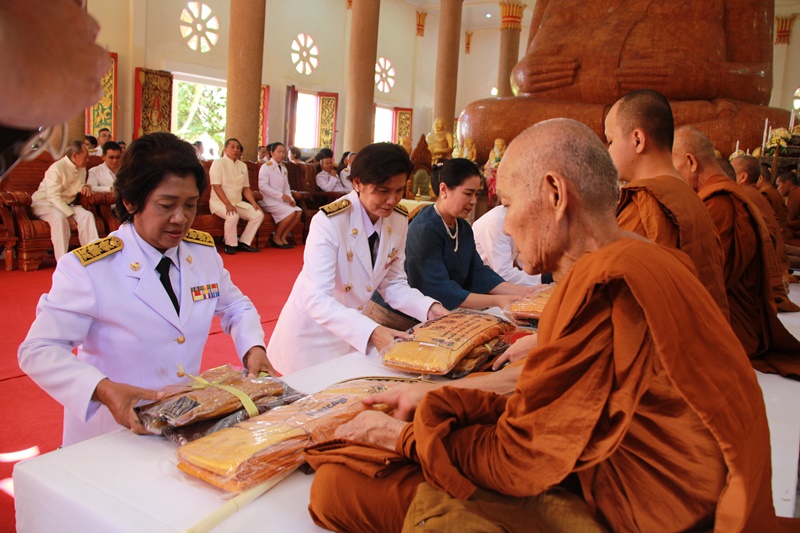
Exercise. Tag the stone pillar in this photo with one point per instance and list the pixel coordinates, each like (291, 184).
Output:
(510, 30)
(446, 81)
(358, 123)
(245, 59)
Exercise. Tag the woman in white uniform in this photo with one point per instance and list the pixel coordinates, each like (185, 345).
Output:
(273, 182)
(140, 302)
(343, 264)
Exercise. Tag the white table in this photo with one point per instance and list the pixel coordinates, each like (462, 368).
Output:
(125, 482)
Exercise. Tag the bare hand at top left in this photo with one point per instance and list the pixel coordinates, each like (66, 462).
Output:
(255, 360)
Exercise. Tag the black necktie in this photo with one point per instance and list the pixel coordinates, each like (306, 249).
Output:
(163, 271)
(372, 240)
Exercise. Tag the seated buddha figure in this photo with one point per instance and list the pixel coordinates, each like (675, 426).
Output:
(440, 141)
(711, 58)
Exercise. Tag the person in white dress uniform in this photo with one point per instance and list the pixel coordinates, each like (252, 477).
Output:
(497, 250)
(101, 178)
(273, 182)
(323, 317)
(54, 201)
(329, 181)
(110, 302)
(232, 199)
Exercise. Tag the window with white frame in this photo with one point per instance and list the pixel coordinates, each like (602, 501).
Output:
(384, 75)
(199, 27)
(305, 54)
(384, 125)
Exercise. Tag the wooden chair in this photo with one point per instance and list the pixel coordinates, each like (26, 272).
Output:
(303, 182)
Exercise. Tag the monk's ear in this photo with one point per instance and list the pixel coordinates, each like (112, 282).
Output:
(639, 140)
(555, 192)
(691, 163)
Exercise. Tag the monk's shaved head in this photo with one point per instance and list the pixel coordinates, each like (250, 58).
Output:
(787, 176)
(569, 148)
(690, 140)
(649, 111)
(749, 165)
(727, 167)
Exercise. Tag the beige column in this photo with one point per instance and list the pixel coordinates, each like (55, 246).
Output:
(510, 30)
(245, 58)
(444, 98)
(358, 123)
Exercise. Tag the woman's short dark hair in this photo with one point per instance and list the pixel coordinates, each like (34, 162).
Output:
(453, 173)
(379, 162)
(145, 164)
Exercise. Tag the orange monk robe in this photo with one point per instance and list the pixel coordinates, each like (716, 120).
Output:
(775, 200)
(779, 262)
(665, 210)
(748, 253)
(793, 217)
(639, 387)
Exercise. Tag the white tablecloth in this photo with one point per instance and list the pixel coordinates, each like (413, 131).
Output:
(125, 482)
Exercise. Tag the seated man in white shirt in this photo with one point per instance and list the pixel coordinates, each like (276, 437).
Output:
(54, 200)
(497, 250)
(101, 178)
(329, 181)
(103, 136)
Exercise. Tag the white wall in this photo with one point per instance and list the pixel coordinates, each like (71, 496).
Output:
(786, 59)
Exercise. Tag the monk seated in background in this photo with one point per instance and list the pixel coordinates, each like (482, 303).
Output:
(787, 186)
(655, 202)
(638, 391)
(749, 256)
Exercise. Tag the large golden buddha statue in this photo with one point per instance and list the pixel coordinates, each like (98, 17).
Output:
(711, 58)
(440, 141)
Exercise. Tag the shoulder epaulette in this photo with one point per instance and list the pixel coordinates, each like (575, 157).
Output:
(334, 208)
(401, 209)
(98, 249)
(199, 237)
(269, 163)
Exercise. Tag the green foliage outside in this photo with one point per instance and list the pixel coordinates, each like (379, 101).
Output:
(201, 109)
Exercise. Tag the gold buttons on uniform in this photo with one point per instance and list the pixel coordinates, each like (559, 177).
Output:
(349, 255)
(369, 288)
(360, 307)
(135, 266)
(389, 229)
(355, 231)
(347, 287)
(181, 339)
(189, 259)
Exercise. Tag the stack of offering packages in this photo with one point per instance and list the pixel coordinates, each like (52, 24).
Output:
(529, 309)
(272, 444)
(216, 399)
(440, 345)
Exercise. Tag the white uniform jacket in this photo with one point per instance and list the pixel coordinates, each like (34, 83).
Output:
(61, 184)
(233, 177)
(497, 250)
(101, 178)
(323, 317)
(116, 312)
(273, 182)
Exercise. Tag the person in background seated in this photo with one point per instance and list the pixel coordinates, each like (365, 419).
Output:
(442, 261)
(123, 146)
(101, 178)
(295, 156)
(498, 252)
(91, 144)
(103, 136)
(329, 181)
(345, 172)
(199, 150)
(54, 201)
(614, 403)
(788, 187)
(263, 155)
(273, 182)
(126, 304)
(355, 246)
(232, 199)
(342, 162)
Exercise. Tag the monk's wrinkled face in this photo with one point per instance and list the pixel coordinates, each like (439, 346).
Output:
(621, 146)
(530, 221)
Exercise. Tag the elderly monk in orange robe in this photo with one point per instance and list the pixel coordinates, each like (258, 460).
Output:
(656, 203)
(769, 191)
(788, 187)
(638, 386)
(747, 172)
(748, 253)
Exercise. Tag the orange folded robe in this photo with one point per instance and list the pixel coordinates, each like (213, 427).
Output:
(751, 301)
(775, 200)
(665, 210)
(638, 386)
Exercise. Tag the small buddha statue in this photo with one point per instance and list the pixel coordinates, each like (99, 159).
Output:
(469, 151)
(490, 169)
(440, 141)
(421, 173)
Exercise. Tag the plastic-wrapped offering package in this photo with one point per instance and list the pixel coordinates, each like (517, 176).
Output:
(256, 450)
(214, 394)
(529, 309)
(439, 344)
(480, 359)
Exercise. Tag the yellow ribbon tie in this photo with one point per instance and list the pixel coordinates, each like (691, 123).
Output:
(201, 383)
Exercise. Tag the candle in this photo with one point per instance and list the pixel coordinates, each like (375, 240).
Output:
(737, 147)
(791, 121)
(764, 140)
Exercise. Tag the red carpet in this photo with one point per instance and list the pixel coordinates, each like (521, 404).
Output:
(31, 418)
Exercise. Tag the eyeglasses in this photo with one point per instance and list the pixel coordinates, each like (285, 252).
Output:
(25, 145)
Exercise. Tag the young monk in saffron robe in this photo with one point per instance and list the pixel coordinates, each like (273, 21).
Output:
(748, 253)
(638, 387)
(656, 203)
